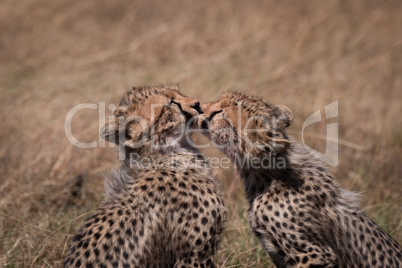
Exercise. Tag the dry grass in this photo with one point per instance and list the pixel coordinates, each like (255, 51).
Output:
(56, 54)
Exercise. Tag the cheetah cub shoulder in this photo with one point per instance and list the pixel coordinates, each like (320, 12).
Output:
(163, 207)
(298, 211)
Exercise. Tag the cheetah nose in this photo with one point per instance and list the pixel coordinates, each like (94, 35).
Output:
(205, 124)
(196, 106)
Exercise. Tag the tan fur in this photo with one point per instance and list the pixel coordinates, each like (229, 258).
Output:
(298, 211)
(169, 214)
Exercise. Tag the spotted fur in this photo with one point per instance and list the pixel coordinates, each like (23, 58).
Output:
(298, 211)
(166, 214)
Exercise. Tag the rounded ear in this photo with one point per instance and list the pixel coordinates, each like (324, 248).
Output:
(284, 117)
(273, 138)
(130, 132)
(109, 131)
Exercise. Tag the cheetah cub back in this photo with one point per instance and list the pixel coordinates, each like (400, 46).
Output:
(163, 207)
(298, 211)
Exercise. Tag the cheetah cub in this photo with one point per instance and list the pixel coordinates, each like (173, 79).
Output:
(298, 211)
(163, 207)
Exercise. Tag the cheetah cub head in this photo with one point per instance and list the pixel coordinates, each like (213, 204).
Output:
(152, 118)
(238, 125)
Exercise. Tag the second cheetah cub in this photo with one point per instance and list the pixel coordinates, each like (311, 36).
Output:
(298, 211)
(163, 207)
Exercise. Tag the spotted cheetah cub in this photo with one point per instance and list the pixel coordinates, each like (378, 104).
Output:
(162, 208)
(298, 211)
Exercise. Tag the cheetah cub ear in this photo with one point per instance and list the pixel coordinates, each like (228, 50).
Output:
(284, 117)
(128, 133)
(109, 131)
(276, 140)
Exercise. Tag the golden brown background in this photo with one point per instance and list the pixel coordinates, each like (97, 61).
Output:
(55, 54)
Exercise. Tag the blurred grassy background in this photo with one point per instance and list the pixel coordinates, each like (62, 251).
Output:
(55, 54)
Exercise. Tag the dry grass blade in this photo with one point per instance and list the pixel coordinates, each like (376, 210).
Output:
(38, 255)
(24, 222)
(57, 54)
